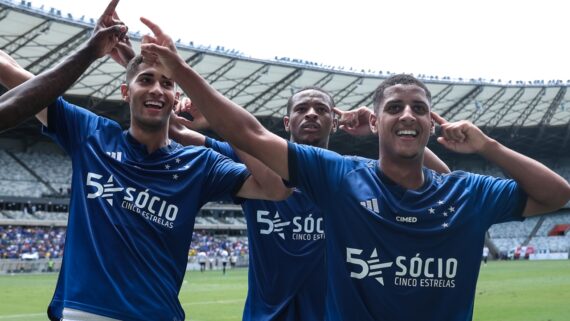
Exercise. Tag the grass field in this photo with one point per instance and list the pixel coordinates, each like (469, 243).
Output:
(507, 291)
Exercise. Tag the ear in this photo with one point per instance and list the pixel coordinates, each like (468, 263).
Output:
(334, 125)
(432, 129)
(373, 121)
(176, 99)
(125, 92)
(286, 123)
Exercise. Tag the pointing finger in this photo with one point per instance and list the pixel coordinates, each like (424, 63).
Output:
(338, 111)
(152, 26)
(110, 9)
(438, 119)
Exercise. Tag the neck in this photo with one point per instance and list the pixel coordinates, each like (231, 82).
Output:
(406, 173)
(153, 140)
(321, 144)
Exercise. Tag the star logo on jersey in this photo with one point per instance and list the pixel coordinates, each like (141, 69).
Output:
(278, 225)
(274, 225)
(369, 267)
(106, 191)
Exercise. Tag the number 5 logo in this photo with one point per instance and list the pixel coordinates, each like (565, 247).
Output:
(356, 261)
(263, 220)
(91, 182)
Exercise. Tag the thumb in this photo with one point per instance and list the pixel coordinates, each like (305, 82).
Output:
(115, 30)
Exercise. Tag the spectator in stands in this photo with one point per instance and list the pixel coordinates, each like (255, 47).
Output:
(397, 233)
(286, 237)
(136, 191)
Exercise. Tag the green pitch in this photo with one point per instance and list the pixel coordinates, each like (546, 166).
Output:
(507, 291)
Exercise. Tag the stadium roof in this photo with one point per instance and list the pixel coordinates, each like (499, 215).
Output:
(533, 117)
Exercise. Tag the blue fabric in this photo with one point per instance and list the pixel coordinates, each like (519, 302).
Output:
(131, 216)
(287, 276)
(395, 254)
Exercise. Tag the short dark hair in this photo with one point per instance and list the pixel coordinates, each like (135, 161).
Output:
(319, 89)
(133, 67)
(400, 79)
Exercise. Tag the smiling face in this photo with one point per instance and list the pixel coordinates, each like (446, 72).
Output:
(311, 119)
(151, 97)
(403, 122)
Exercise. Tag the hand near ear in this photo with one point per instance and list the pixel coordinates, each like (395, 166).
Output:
(461, 136)
(355, 122)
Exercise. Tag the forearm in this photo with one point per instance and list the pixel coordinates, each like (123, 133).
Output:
(433, 162)
(236, 125)
(543, 186)
(269, 181)
(12, 75)
(32, 96)
(232, 122)
(188, 137)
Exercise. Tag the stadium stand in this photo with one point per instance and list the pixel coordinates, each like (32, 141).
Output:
(528, 116)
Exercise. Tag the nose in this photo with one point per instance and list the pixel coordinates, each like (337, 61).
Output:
(407, 114)
(156, 89)
(311, 114)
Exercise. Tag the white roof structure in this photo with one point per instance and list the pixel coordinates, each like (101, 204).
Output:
(530, 116)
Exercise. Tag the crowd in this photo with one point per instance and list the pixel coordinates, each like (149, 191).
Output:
(48, 242)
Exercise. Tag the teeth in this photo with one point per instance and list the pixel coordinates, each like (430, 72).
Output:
(153, 103)
(407, 132)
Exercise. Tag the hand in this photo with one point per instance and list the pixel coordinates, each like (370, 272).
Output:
(123, 51)
(159, 49)
(176, 126)
(185, 107)
(107, 33)
(461, 136)
(355, 122)
(180, 133)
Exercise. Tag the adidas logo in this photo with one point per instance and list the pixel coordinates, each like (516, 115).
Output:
(372, 205)
(116, 155)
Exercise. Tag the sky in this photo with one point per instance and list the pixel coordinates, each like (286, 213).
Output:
(489, 39)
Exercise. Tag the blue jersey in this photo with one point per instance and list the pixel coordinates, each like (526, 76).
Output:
(287, 276)
(395, 254)
(131, 216)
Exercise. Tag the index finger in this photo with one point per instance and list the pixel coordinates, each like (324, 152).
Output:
(338, 111)
(438, 119)
(110, 8)
(152, 26)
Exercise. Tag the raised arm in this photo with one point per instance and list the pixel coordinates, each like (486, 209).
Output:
(229, 120)
(182, 130)
(546, 190)
(357, 123)
(12, 75)
(29, 98)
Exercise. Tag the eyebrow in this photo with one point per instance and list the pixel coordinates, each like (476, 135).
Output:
(150, 74)
(401, 101)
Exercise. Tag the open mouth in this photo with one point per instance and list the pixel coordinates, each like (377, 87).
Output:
(153, 104)
(407, 133)
(311, 126)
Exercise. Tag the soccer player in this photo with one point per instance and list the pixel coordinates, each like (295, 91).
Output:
(403, 242)
(287, 275)
(135, 193)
